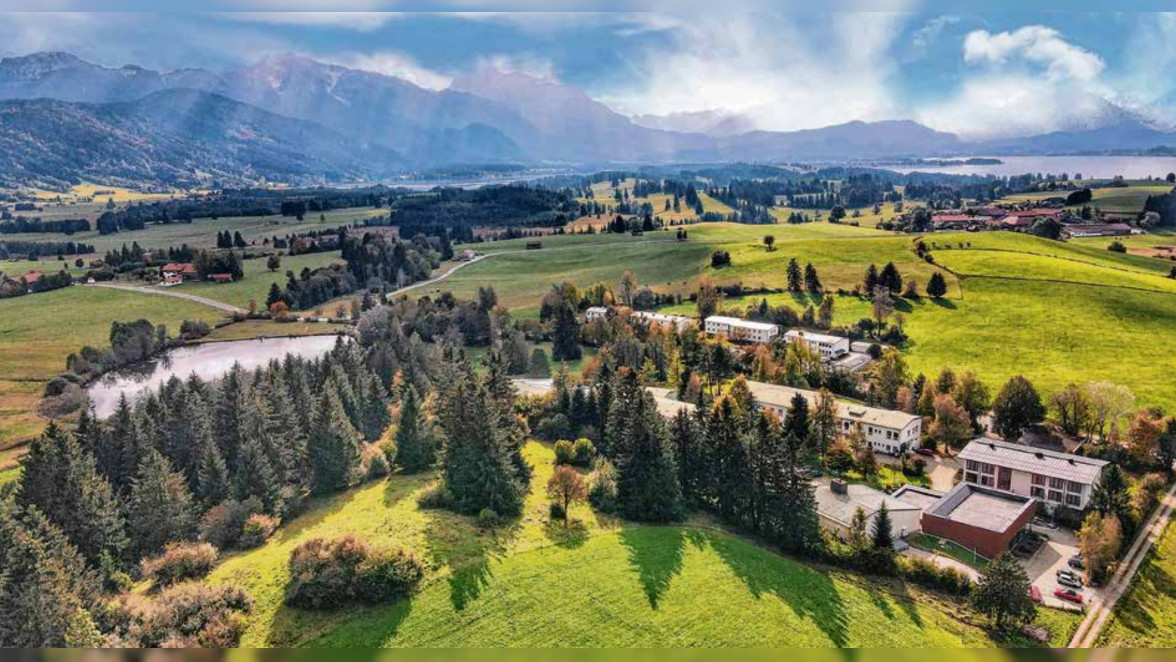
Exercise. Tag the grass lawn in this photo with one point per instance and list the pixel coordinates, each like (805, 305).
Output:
(949, 549)
(250, 329)
(256, 284)
(38, 331)
(599, 582)
(1146, 616)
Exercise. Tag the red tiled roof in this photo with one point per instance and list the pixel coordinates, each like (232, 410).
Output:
(180, 268)
(1035, 213)
(951, 218)
(221, 278)
(33, 276)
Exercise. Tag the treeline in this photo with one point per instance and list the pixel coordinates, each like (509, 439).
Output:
(19, 286)
(34, 250)
(36, 225)
(460, 211)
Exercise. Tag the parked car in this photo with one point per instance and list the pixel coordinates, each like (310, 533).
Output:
(1070, 595)
(1076, 563)
(1070, 578)
(1042, 522)
(1035, 594)
(925, 452)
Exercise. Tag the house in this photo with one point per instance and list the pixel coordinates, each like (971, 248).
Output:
(837, 502)
(466, 256)
(829, 347)
(953, 221)
(1055, 478)
(678, 322)
(595, 313)
(1097, 230)
(33, 276)
(981, 519)
(221, 278)
(738, 330)
(176, 272)
(891, 432)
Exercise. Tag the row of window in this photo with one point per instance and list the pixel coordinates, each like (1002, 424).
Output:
(1070, 499)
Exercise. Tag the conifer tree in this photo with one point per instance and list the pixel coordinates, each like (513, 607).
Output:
(160, 508)
(376, 417)
(794, 276)
(415, 450)
(797, 422)
(647, 476)
(883, 534)
(334, 445)
(800, 529)
(686, 434)
(729, 461)
(812, 282)
(212, 475)
(936, 286)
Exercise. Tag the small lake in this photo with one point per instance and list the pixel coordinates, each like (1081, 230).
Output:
(208, 361)
(1097, 167)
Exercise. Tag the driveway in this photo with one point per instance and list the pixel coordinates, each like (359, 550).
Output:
(1054, 556)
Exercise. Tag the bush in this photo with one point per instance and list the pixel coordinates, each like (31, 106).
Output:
(190, 615)
(602, 491)
(377, 466)
(565, 453)
(258, 528)
(487, 518)
(328, 574)
(554, 426)
(193, 330)
(557, 512)
(584, 451)
(437, 497)
(180, 562)
(222, 525)
(925, 573)
(1117, 247)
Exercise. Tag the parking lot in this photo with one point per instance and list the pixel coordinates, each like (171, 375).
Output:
(1054, 555)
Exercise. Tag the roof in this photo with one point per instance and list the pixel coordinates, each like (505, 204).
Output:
(1052, 464)
(677, 320)
(221, 277)
(815, 337)
(33, 276)
(982, 507)
(922, 497)
(781, 396)
(951, 218)
(180, 267)
(1035, 213)
(746, 324)
(841, 507)
(1098, 228)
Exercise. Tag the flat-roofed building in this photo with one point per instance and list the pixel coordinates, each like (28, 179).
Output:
(739, 330)
(887, 431)
(979, 518)
(838, 501)
(677, 322)
(829, 347)
(1057, 479)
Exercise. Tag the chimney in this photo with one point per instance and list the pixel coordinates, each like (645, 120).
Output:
(839, 487)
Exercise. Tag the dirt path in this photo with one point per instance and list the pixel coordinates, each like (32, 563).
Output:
(1100, 610)
(159, 291)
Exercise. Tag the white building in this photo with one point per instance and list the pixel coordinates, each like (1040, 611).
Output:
(829, 347)
(887, 431)
(1057, 479)
(595, 313)
(837, 502)
(738, 330)
(678, 322)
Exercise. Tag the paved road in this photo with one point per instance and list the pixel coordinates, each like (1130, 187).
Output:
(160, 291)
(1101, 609)
(438, 279)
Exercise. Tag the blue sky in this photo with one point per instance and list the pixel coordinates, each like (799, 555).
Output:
(978, 74)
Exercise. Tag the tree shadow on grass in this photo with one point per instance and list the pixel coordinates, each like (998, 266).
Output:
(944, 303)
(568, 535)
(810, 592)
(454, 541)
(655, 552)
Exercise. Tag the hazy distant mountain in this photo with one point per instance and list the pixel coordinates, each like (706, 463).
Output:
(717, 123)
(67, 78)
(1126, 134)
(178, 138)
(853, 140)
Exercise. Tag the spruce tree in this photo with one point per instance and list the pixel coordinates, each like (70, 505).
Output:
(936, 286)
(799, 529)
(870, 282)
(160, 508)
(334, 445)
(797, 422)
(376, 417)
(212, 474)
(565, 334)
(647, 476)
(794, 276)
(686, 434)
(812, 282)
(415, 449)
(883, 533)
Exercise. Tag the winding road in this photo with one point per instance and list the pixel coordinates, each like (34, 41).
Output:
(159, 291)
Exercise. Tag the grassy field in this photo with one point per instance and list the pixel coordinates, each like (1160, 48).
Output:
(598, 582)
(38, 331)
(949, 549)
(1115, 201)
(201, 233)
(1146, 616)
(256, 284)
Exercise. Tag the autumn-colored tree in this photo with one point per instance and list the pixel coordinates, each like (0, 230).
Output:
(566, 487)
(279, 310)
(1143, 437)
(951, 427)
(1100, 539)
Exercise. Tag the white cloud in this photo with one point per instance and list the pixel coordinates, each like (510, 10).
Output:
(362, 21)
(782, 73)
(522, 63)
(1035, 44)
(931, 30)
(392, 63)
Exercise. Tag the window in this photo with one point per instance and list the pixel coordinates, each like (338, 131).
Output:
(1037, 492)
(1056, 483)
(1038, 479)
(973, 466)
(1074, 500)
(986, 481)
(1074, 488)
(971, 477)
(1055, 496)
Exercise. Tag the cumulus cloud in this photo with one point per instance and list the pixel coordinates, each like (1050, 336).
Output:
(1038, 45)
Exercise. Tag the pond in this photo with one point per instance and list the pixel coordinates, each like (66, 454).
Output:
(208, 361)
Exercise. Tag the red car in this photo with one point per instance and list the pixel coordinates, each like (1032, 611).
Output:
(1070, 596)
(925, 452)
(1035, 594)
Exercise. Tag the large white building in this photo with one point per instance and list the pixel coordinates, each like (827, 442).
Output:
(829, 347)
(738, 330)
(838, 501)
(1058, 479)
(678, 322)
(887, 431)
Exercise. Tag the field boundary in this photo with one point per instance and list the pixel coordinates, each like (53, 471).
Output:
(219, 305)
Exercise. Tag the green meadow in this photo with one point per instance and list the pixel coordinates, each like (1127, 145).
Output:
(596, 582)
(255, 286)
(1146, 616)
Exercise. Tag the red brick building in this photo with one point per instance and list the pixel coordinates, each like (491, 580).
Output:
(979, 518)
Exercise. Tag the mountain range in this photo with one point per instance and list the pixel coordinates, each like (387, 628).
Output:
(294, 119)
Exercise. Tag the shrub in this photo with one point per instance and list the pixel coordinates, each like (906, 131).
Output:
(565, 453)
(193, 329)
(487, 518)
(925, 573)
(584, 451)
(190, 615)
(328, 574)
(553, 426)
(377, 466)
(180, 562)
(222, 525)
(258, 528)
(1117, 247)
(602, 493)
(437, 497)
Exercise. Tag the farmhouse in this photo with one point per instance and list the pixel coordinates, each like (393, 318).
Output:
(837, 502)
(1057, 479)
(957, 221)
(979, 518)
(891, 432)
(829, 347)
(221, 278)
(1097, 230)
(175, 273)
(738, 330)
(466, 256)
(678, 322)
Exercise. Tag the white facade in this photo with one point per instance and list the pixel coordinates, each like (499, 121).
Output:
(887, 431)
(1057, 479)
(829, 347)
(836, 506)
(738, 330)
(596, 313)
(678, 322)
